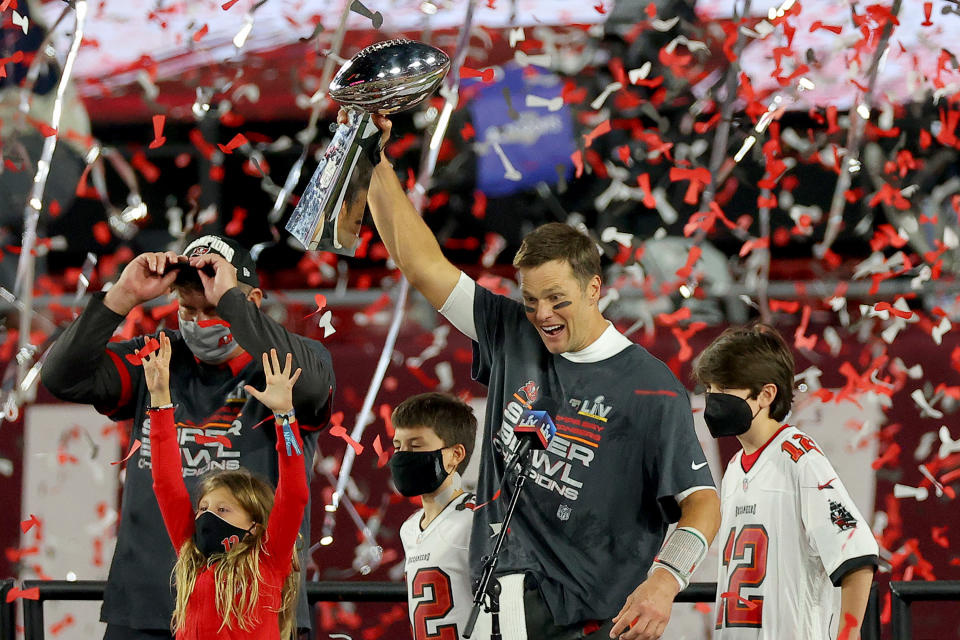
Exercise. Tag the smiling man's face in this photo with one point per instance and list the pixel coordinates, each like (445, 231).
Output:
(564, 312)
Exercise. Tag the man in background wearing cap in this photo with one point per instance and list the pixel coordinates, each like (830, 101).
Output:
(217, 351)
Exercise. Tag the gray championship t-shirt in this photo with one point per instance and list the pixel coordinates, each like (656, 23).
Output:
(596, 508)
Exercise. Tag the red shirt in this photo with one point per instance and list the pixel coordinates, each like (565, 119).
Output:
(202, 620)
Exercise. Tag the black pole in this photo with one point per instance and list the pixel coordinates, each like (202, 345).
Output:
(490, 561)
(870, 627)
(900, 613)
(7, 612)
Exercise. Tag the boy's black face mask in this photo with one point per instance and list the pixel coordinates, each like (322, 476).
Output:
(417, 472)
(727, 415)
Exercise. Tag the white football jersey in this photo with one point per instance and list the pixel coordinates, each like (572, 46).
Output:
(789, 533)
(439, 593)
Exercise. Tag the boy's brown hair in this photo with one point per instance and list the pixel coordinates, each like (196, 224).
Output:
(449, 417)
(558, 241)
(747, 358)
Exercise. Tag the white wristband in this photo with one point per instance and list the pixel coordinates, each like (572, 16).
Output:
(681, 554)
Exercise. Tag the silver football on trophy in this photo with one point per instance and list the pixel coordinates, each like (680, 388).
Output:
(390, 76)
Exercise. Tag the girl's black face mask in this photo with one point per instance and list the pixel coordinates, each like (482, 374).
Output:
(727, 415)
(418, 472)
(213, 534)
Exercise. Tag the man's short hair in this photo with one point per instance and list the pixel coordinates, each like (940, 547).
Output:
(748, 358)
(449, 417)
(558, 241)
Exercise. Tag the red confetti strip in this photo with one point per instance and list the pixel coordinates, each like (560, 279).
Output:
(927, 10)
(57, 627)
(26, 594)
(386, 414)
(850, 625)
(136, 358)
(671, 319)
(643, 181)
(212, 323)
(754, 243)
(485, 75)
(102, 233)
(26, 525)
(133, 449)
(236, 142)
(202, 31)
(819, 25)
(699, 178)
(229, 3)
(382, 456)
(939, 536)
(235, 226)
(730, 595)
(321, 301)
(889, 457)
(799, 340)
(340, 432)
(158, 139)
(692, 257)
(474, 507)
(224, 440)
(886, 306)
(599, 130)
(577, 158)
(600, 8)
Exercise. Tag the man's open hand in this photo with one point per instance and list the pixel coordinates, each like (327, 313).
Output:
(645, 614)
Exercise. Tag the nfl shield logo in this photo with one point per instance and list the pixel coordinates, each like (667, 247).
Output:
(745, 484)
(563, 513)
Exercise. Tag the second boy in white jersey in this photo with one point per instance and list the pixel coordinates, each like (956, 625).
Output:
(434, 436)
(797, 559)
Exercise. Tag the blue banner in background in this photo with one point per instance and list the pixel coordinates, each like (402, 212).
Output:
(534, 143)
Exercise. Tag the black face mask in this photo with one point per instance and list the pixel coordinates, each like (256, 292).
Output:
(213, 534)
(418, 472)
(727, 415)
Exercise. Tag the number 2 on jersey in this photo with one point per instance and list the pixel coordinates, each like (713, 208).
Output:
(734, 610)
(438, 606)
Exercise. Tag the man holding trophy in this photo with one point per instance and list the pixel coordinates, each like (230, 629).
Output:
(587, 561)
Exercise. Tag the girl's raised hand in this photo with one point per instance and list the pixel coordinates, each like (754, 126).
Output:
(278, 393)
(156, 372)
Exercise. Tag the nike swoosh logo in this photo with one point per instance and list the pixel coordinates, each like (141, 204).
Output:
(696, 466)
(826, 485)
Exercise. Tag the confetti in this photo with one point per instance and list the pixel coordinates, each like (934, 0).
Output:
(30, 523)
(151, 345)
(26, 594)
(375, 17)
(221, 439)
(158, 138)
(339, 432)
(133, 449)
(382, 456)
(485, 75)
(236, 142)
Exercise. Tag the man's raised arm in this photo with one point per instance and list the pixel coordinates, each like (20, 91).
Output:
(409, 240)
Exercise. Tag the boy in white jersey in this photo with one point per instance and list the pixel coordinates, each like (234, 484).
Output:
(434, 436)
(791, 535)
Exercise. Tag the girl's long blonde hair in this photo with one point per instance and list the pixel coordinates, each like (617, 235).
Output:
(237, 574)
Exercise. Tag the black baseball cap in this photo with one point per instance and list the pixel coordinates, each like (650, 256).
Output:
(230, 249)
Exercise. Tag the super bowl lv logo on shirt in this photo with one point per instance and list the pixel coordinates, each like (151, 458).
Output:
(213, 455)
(559, 468)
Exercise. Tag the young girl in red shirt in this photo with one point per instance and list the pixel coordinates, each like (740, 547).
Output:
(236, 573)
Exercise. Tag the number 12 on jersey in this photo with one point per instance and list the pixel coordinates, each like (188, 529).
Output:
(746, 570)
